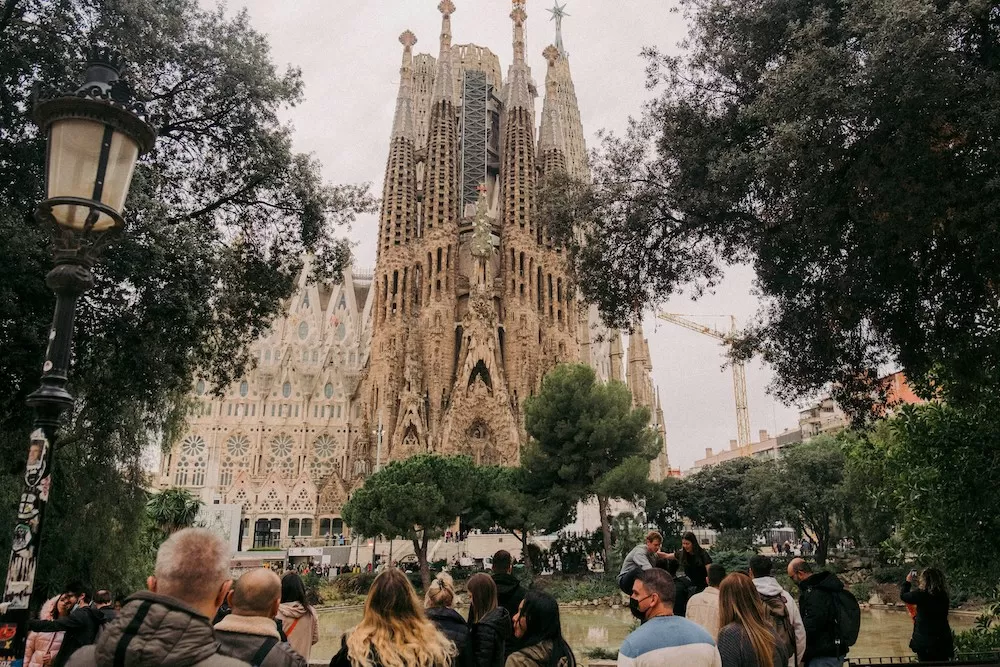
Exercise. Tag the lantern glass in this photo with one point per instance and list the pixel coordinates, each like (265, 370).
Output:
(75, 160)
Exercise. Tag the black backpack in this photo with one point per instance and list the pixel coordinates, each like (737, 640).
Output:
(847, 618)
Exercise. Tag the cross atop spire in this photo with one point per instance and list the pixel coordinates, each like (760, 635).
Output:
(558, 13)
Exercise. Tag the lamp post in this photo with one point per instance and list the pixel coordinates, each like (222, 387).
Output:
(95, 135)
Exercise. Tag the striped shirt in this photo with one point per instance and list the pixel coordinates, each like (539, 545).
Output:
(666, 641)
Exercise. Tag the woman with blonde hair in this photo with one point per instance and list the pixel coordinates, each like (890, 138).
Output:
(746, 635)
(394, 631)
(439, 606)
(489, 624)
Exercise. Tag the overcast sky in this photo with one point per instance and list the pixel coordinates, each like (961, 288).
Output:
(349, 54)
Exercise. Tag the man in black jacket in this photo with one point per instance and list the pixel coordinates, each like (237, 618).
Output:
(509, 589)
(817, 602)
(81, 626)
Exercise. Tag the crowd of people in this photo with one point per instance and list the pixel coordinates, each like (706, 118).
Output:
(746, 619)
(691, 612)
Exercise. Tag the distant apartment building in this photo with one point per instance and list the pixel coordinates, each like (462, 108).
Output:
(767, 447)
(825, 417)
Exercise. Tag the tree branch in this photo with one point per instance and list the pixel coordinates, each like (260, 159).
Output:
(221, 202)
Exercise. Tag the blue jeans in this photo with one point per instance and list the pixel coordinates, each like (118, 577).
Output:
(826, 661)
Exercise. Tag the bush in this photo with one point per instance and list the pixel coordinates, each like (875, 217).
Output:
(735, 540)
(978, 640)
(354, 584)
(572, 589)
(600, 653)
(893, 574)
(733, 561)
(862, 591)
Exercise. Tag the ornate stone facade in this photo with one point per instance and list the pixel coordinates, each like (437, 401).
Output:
(469, 306)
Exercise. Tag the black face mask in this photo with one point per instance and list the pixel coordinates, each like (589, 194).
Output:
(633, 606)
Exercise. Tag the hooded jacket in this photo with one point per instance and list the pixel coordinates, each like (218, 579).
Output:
(488, 637)
(769, 586)
(509, 591)
(155, 631)
(451, 624)
(244, 637)
(819, 615)
(300, 626)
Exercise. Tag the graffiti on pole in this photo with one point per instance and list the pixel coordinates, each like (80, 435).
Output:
(24, 551)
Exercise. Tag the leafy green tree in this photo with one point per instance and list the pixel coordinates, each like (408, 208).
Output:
(939, 465)
(587, 441)
(219, 215)
(416, 499)
(720, 496)
(505, 497)
(173, 509)
(790, 135)
(806, 489)
(871, 508)
(665, 504)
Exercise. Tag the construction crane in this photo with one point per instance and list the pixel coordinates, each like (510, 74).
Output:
(739, 372)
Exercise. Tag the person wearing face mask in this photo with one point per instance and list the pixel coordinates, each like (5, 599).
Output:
(539, 634)
(663, 638)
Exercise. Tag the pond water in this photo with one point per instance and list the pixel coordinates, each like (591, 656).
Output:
(883, 632)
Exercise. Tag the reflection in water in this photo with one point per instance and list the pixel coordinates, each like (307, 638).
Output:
(883, 632)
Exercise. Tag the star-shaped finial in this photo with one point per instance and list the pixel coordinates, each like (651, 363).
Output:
(558, 11)
(446, 7)
(551, 53)
(408, 39)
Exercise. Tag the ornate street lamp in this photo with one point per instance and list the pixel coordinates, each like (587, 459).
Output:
(94, 137)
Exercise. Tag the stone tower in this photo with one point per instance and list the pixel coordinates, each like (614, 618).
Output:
(474, 303)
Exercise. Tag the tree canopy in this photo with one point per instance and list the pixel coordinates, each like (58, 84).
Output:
(936, 467)
(587, 440)
(218, 218)
(416, 499)
(848, 151)
(721, 496)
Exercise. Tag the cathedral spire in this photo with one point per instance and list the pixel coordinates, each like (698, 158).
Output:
(558, 14)
(551, 136)
(444, 83)
(402, 123)
(519, 76)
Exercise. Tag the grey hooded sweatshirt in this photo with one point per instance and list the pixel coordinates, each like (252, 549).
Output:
(154, 631)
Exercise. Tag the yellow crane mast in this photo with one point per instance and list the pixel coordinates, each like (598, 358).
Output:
(739, 372)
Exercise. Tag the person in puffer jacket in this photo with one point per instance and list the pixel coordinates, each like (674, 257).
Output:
(439, 607)
(46, 644)
(298, 618)
(168, 625)
(490, 625)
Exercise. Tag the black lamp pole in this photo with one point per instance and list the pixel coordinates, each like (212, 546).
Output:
(95, 134)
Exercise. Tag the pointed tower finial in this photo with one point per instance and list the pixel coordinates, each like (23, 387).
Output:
(519, 14)
(558, 14)
(402, 123)
(551, 135)
(444, 86)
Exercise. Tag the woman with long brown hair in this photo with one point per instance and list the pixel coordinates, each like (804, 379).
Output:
(394, 631)
(746, 635)
(931, 640)
(489, 624)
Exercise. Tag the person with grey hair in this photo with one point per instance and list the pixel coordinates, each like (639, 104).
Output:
(168, 625)
(249, 633)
